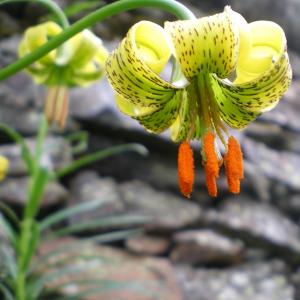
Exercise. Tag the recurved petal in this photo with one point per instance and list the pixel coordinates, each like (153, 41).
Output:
(262, 93)
(133, 68)
(162, 118)
(86, 47)
(37, 36)
(267, 45)
(132, 110)
(209, 44)
(231, 113)
(262, 77)
(240, 104)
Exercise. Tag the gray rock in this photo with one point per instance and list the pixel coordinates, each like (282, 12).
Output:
(8, 25)
(134, 198)
(295, 63)
(25, 121)
(259, 225)
(14, 191)
(8, 51)
(88, 102)
(148, 244)
(126, 276)
(56, 155)
(281, 166)
(206, 247)
(256, 181)
(290, 204)
(168, 211)
(274, 136)
(88, 186)
(259, 281)
(286, 113)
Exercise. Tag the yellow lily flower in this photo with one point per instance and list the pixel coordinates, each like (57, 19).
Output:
(4, 165)
(230, 72)
(78, 62)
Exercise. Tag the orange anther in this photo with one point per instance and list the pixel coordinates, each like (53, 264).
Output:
(185, 169)
(234, 165)
(211, 164)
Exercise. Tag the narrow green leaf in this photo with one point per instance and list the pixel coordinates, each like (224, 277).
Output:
(37, 287)
(68, 212)
(121, 220)
(6, 292)
(27, 242)
(9, 261)
(91, 158)
(10, 214)
(37, 188)
(80, 7)
(26, 154)
(8, 230)
(79, 141)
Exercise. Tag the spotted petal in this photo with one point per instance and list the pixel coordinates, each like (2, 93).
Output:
(133, 68)
(207, 45)
(263, 76)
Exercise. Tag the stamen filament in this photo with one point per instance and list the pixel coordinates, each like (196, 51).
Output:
(50, 103)
(186, 174)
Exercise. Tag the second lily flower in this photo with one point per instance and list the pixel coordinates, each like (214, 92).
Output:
(227, 72)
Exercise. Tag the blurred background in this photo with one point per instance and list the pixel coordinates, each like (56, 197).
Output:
(241, 247)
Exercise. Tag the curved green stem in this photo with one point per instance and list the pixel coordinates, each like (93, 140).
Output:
(174, 7)
(51, 5)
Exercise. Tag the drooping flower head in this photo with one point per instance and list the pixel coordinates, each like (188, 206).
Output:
(227, 72)
(78, 62)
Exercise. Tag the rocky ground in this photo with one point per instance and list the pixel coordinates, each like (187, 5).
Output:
(242, 247)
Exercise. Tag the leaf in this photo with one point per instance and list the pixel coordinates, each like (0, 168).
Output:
(9, 261)
(8, 230)
(68, 212)
(80, 139)
(93, 157)
(79, 7)
(37, 188)
(26, 154)
(36, 288)
(28, 242)
(6, 293)
(9, 213)
(121, 220)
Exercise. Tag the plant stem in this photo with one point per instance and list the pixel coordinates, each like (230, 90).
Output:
(51, 5)
(20, 286)
(28, 237)
(174, 7)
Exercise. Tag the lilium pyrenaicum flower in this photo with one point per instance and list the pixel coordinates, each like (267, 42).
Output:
(230, 71)
(78, 62)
